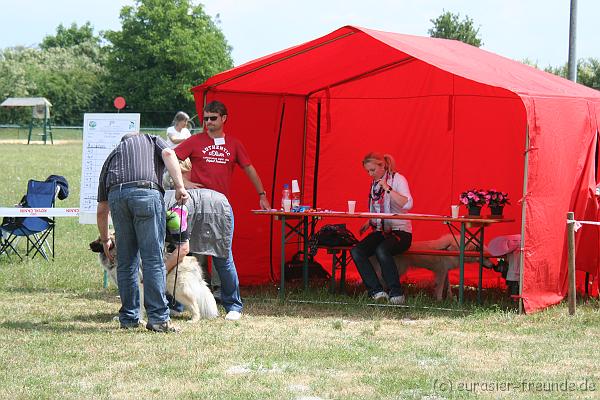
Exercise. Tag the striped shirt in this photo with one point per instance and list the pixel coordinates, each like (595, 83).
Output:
(137, 158)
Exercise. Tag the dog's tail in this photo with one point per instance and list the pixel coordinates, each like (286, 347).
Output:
(207, 304)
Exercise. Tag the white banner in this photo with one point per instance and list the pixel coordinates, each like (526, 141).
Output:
(101, 134)
(38, 212)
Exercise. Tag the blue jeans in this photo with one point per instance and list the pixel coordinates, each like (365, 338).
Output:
(139, 219)
(230, 285)
(384, 247)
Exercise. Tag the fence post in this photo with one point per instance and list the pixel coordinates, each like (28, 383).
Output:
(571, 259)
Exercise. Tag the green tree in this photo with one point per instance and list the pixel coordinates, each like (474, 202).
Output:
(81, 39)
(449, 26)
(165, 48)
(71, 81)
(588, 71)
(69, 37)
(15, 64)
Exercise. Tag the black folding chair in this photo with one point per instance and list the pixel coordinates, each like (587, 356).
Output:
(36, 230)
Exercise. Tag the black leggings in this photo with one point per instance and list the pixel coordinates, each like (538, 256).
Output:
(384, 246)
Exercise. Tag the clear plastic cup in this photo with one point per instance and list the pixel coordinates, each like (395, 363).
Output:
(287, 205)
(351, 206)
(455, 209)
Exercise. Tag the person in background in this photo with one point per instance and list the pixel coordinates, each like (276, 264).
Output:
(178, 131)
(389, 193)
(130, 191)
(214, 155)
(176, 134)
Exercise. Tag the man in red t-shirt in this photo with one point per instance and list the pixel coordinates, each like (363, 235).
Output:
(213, 156)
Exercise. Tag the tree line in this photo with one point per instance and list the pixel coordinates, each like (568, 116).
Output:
(164, 48)
(449, 26)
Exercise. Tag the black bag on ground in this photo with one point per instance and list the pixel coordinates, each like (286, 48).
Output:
(293, 268)
(12, 223)
(332, 236)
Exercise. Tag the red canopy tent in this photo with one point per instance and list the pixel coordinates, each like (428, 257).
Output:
(454, 116)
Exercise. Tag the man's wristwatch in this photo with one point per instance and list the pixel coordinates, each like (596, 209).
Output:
(262, 194)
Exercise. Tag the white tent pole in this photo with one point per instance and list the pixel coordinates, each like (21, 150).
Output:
(572, 292)
(523, 208)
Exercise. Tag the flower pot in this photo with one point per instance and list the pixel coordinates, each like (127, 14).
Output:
(496, 211)
(474, 211)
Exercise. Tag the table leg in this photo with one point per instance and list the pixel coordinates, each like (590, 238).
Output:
(480, 283)
(282, 283)
(343, 274)
(334, 263)
(305, 239)
(461, 263)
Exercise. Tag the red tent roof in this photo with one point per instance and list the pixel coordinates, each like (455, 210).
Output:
(351, 52)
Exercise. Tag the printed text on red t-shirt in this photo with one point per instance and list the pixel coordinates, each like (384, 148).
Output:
(216, 154)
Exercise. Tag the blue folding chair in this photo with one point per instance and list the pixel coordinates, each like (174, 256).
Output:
(36, 230)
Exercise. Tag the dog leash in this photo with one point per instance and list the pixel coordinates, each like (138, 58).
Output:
(174, 302)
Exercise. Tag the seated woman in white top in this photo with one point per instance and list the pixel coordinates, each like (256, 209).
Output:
(178, 132)
(389, 193)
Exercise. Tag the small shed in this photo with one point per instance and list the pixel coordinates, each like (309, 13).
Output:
(40, 114)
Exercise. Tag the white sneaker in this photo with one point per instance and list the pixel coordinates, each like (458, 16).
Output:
(233, 316)
(380, 296)
(397, 300)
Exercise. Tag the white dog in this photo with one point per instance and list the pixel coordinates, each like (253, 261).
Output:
(440, 265)
(191, 291)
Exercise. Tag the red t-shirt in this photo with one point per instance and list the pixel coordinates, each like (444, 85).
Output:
(212, 164)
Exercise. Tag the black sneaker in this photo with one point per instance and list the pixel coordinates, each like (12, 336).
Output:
(163, 327)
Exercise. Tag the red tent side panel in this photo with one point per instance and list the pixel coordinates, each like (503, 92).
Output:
(585, 204)
(443, 144)
(559, 180)
(255, 120)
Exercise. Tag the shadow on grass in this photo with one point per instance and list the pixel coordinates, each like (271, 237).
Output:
(100, 294)
(95, 318)
(66, 326)
(354, 303)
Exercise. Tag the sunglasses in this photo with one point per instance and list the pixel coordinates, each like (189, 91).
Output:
(211, 118)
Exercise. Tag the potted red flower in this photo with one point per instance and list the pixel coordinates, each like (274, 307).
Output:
(496, 201)
(473, 199)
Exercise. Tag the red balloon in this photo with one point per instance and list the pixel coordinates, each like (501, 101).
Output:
(119, 103)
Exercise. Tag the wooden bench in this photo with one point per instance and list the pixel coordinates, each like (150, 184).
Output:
(341, 260)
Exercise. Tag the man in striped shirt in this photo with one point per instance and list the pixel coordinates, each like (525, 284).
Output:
(130, 190)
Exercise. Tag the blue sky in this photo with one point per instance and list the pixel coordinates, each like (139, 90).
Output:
(518, 29)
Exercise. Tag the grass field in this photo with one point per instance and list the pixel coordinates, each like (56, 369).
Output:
(22, 133)
(59, 340)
